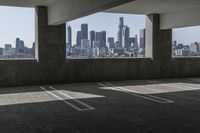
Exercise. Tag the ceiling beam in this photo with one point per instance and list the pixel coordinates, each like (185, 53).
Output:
(66, 10)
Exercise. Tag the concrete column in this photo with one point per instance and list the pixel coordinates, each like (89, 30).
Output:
(158, 42)
(50, 40)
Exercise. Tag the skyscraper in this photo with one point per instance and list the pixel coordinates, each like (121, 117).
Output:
(84, 31)
(135, 44)
(92, 37)
(101, 37)
(125, 37)
(142, 39)
(119, 36)
(78, 38)
(111, 43)
(69, 36)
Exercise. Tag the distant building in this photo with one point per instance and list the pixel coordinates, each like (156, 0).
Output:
(125, 37)
(84, 31)
(135, 44)
(1, 51)
(101, 37)
(142, 39)
(85, 43)
(78, 38)
(7, 47)
(69, 36)
(92, 37)
(96, 44)
(119, 34)
(111, 43)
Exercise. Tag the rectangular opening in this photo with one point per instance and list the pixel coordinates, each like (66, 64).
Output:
(186, 42)
(17, 34)
(106, 35)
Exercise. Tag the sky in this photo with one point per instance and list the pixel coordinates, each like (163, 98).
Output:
(20, 22)
(186, 35)
(108, 22)
(17, 22)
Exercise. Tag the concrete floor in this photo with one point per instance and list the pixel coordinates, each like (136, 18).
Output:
(145, 106)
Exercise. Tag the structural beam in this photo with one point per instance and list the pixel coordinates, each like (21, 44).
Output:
(66, 10)
(183, 18)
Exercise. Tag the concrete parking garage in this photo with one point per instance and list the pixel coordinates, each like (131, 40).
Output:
(127, 106)
(52, 94)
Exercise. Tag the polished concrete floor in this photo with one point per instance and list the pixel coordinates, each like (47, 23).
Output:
(142, 106)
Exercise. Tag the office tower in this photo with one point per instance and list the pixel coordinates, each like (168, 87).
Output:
(84, 31)
(1, 51)
(85, 43)
(8, 46)
(125, 37)
(96, 44)
(78, 38)
(111, 42)
(92, 37)
(142, 39)
(119, 36)
(135, 44)
(101, 37)
(17, 43)
(69, 36)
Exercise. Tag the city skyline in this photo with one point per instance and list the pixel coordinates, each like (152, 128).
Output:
(24, 25)
(95, 44)
(110, 23)
(17, 22)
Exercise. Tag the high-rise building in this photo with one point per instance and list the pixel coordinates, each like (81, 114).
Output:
(1, 51)
(19, 44)
(142, 39)
(69, 36)
(92, 38)
(84, 31)
(125, 37)
(7, 47)
(119, 35)
(101, 37)
(84, 43)
(135, 44)
(78, 38)
(111, 42)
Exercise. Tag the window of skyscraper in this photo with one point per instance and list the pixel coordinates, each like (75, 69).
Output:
(106, 35)
(17, 32)
(186, 42)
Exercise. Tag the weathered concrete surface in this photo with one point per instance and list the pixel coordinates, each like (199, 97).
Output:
(33, 110)
(53, 68)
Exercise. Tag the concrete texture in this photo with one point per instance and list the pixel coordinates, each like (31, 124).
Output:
(136, 110)
(53, 68)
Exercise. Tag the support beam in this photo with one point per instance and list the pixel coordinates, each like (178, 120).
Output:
(66, 10)
(50, 40)
(158, 42)
(183, 18)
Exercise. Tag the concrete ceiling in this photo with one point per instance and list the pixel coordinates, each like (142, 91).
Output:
(26, 3)
(155, 6)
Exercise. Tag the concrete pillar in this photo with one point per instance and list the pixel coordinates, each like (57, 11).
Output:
(158, 42)
(50, 40)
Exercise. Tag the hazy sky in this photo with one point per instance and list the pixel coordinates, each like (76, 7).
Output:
(187, 35)
(108, 22)
(17, 22)
(20, 22)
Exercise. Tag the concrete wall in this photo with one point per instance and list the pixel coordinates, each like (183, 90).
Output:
(52, 68)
